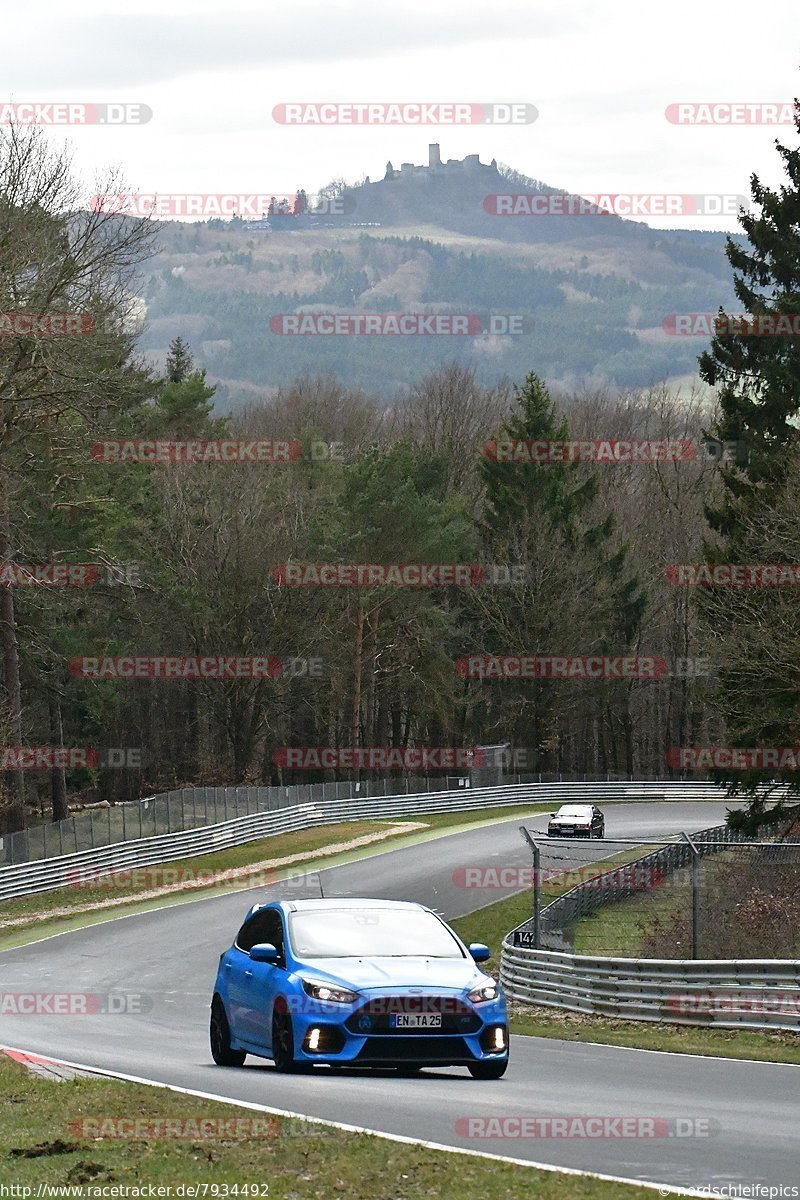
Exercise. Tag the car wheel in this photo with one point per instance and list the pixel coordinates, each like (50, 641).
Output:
(488, 1070)
(602, 832)
(283, 1043)
(220, 1038)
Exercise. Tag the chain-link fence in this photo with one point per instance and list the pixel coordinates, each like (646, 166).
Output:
(191, 808)
(716, 894)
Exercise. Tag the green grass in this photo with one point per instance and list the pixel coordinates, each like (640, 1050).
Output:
(44, 913)
(779, 1046)
(298, 1160)
(492, 923)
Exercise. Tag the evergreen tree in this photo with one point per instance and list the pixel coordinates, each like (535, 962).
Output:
(180, 363)
(758, 376)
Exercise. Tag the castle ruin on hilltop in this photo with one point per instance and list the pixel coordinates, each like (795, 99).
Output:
(435, 167)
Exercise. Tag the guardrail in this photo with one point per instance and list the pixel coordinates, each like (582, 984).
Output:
(45, 875)
(733, 994)
(197, 807)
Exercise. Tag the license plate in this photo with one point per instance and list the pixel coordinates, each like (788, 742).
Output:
(416, 1020)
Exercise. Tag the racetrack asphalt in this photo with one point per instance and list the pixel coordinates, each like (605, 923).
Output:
(749, 1113)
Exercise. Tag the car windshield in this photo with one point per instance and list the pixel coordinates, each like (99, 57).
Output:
(575, 811)
(371, 933)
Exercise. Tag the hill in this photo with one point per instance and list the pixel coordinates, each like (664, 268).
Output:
(589, 292)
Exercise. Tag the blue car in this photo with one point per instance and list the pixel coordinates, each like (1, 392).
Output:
(360, 983)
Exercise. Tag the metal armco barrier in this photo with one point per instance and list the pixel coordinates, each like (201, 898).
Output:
(731, 993)
(45, 875)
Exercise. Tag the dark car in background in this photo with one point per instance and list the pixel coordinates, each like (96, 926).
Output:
(577, 820)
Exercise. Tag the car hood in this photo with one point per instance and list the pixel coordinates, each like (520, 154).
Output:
(366, 974)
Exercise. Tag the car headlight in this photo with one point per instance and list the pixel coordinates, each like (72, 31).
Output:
(487, 991)
(328, 992)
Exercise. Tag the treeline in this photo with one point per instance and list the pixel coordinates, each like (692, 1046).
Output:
(566, 560)
(574, 561)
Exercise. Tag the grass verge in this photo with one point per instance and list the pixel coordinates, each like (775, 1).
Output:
(779, 1046)
(287, 1159)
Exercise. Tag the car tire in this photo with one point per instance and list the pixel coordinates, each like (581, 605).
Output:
(602, 832)
(488, 1070)
(220, 1038)
(283, 1044)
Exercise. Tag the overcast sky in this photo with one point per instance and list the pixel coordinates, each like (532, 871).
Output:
(600, 76)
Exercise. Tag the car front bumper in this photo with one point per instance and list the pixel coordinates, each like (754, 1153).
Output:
(348, 1041)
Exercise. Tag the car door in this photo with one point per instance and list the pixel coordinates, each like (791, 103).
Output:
(261, 982)
(597, 820)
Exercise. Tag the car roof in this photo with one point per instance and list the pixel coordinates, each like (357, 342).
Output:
(333, 905)
(571, 804)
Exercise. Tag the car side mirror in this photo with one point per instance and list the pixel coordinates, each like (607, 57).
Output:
(479, 952)
(551, 814)
(264, 952)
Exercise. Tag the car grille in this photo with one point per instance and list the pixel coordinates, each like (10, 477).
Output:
(424, 1049)
(374, 1017)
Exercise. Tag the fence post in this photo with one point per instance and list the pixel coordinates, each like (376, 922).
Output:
(695, 897)
(537, 891)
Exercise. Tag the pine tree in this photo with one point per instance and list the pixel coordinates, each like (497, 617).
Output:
(758, 376)
(756, 629)
(180, 362)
